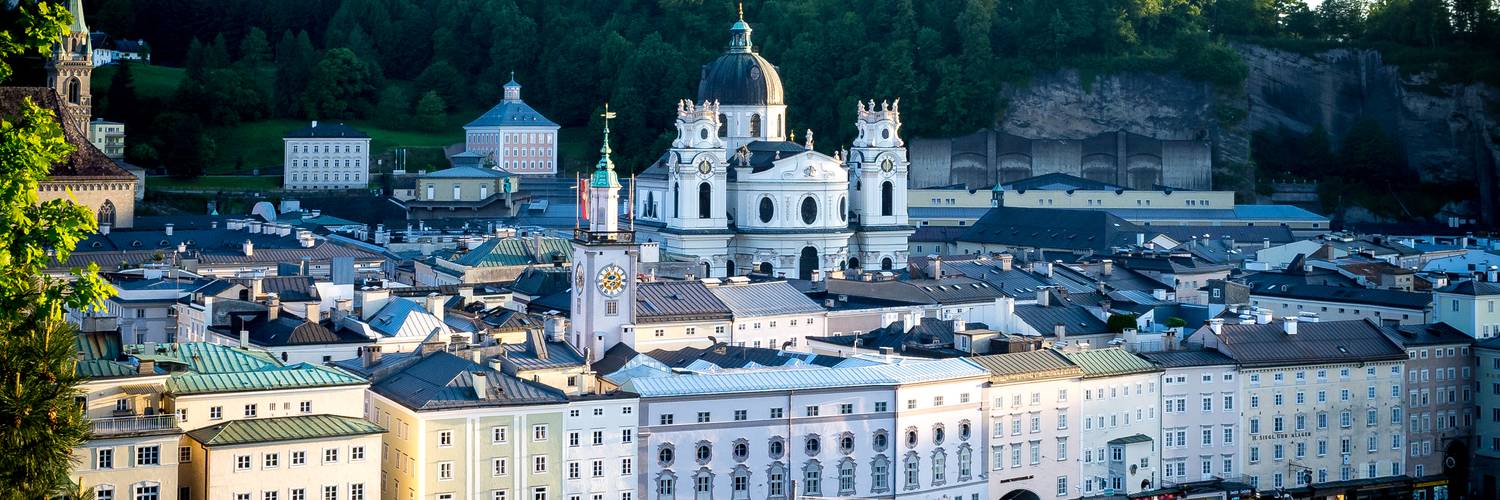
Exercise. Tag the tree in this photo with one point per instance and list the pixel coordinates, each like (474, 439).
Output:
(38, 377)
(443, 78)
(186, 147)
(1119, 322)
(120, 99)
(1174, 322)
(295, 58)
(342, 87)
(430, 111)
(255, 49)
(394, 106)
(1341, 19)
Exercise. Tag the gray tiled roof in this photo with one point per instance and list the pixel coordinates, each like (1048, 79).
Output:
(1315, 343)
(728, 356)
(1077, 230)
(1029, 365)
(772, 298)
(511, 113)
(443, 380)
(1472, 287)
(1180, 359)
(1368, 296)
(327, 131)
(1077, 319)
(1428, 334)
(666, 301)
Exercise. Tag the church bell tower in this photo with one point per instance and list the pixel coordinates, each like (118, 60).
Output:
(70, 69)
(605, 262)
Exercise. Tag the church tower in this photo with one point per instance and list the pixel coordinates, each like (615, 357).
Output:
(70, 69)
(877, 178)
(748, 90)
(699, 175)
(605, 259)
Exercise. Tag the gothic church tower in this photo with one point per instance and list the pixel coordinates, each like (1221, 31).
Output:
(71, 68)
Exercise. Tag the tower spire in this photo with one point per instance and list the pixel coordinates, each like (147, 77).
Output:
(739, 33)
(742, 10)
(604, 171)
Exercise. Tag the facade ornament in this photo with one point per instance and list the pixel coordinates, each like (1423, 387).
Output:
(809, 139)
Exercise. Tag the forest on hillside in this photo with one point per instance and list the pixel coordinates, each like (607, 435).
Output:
(408, 61)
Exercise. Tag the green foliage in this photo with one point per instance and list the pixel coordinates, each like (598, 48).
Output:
(1119, 322)
(38, 380)
(430, 111)
(1175, 322)
(255, 49)
(343, 86)
(186, 148)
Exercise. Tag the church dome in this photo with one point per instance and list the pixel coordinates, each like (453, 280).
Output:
(740, 77)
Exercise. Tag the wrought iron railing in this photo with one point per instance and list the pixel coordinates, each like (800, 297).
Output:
(133, 424)
(589, 236)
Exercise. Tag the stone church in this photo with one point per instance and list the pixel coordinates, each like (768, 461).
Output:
(735, 194)
(86, 176)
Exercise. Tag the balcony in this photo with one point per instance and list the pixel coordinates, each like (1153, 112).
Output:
(165, 423)
(587, 236)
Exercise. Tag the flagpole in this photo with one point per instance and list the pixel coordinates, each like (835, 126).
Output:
(632, 202)
(577, 201)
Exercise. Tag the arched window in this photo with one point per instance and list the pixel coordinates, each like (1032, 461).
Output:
(676, 202)
(106, 213)
(74, 91)
(886, 264)
(723, 126)
(887, 194)
(812, 478)
(705, 200)
(846, 477)
(755, 125)
(809, 210)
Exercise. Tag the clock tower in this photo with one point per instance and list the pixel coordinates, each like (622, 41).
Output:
(605, 259)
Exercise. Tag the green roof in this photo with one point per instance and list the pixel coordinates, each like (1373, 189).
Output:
(103, 368)
(202, 368)
(1138, 438)
(267, 430)
(1110, 362)
(1028, 365)
(499, 252)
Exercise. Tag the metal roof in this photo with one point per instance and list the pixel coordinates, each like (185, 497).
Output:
(268, 430)
(1368, 296)
(466, 172)
(522, 251)
(511, 113)
(405, 318)
(1472, 287)
(444, 380)
(1132, 439)
(1077, 319)
(666, 301)
(1076, 230)
(327, 131)
(1029, 365)
(783, 379)
(1315, 343)
(772, 298)
(1183, 359)
(1110, 362)
(200, 368)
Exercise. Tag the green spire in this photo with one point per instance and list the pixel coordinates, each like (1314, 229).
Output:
(604, 173)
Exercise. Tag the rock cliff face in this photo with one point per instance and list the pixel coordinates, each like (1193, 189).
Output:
(1449, 133)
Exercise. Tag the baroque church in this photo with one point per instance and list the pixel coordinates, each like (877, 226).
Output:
(735, 195)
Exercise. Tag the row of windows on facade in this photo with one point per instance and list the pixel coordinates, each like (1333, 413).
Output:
(814, 410)
(539, 465)
(325, 148)
(1346, 447)
(1322, 375)
(1346, 420)
(1346, 473)
(812, 477)
(137, 492)
(1342, 310)
(537, 493)
(297, 458)
(327, 164)
(1345, 395)
(812, 445)
(251, 410)
(314, 178)
(533, 152)
(530, 138)
(484, 191)
(766, 207)
(356, 491)
(528, 165)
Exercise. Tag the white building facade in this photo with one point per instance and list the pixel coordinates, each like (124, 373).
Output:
(327, 156)
(600, 452)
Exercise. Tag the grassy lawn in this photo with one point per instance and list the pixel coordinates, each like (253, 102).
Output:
(150, 81)
(258, 144)
(211, 182)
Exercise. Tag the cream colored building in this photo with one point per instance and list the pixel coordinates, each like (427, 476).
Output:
(309, 457)
(108, 136)
(330, 156)
(132, 451)
(468, 189)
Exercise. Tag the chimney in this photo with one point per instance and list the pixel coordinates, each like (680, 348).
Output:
(481, 384)
(1262, 316)
(1060, 331)
(273, 307)
(370, 301)
(435, 305)
(104, 228)
(371, 355)
(1047, 269)
(169, 229)
(1140, 239)
(341, 308)
(1289, 325)
(1159, 294)
(311, 312)
(1265, 243)
(555, 326)
(960, 325)
(248, 248)
(475, 355)
(147, 367)
(1216, 325)
(1044, 296)
(913, 320)
(937, 266)
(817, 275)
(245, 338)
(1493, 275)
(1007, 261)
(208, 309)
(1107, 267)
(256, 288)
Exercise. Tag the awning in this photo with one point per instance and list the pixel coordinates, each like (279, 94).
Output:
(141, 389)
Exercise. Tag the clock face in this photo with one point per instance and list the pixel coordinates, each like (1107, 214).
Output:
(611, 280)
(705, 167)
(886, 165)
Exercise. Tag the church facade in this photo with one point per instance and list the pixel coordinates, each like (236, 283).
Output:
(735, 195)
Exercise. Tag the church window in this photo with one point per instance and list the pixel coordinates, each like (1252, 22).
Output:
(755, 125)
(676, 202)
(886, 264)
(778, 122)
(843, 209)
(705, 200)
(703, 133)
(809, 210)
(885, 133)
(106, 213)
(887, 192)
(74, 91)
(723, 126)
(767, 209)
(650, 208)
